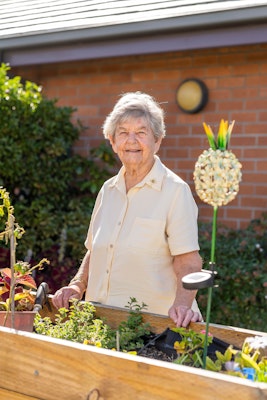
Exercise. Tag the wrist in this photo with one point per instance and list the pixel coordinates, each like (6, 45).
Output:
(80, 282)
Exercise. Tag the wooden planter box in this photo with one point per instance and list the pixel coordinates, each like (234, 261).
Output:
(39, 367)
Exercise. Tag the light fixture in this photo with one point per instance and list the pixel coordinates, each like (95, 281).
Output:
(192, 95)
(198, 280)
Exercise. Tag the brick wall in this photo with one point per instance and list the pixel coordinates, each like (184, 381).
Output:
(237, 82)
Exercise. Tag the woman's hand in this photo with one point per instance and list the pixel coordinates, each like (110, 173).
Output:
(183, 315)
(62, 296)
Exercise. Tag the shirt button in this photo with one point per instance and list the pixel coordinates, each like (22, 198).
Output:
(111, 246)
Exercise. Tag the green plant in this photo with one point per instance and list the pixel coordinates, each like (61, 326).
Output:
(53, 189)
(22, 286)
(242, 363)
(16, 281)
(241, 258)
(79, 324)
(190, 347)
(133, 330)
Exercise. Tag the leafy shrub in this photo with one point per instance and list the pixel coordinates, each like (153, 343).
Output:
(241, 255)
(79, 324)
(52, 189)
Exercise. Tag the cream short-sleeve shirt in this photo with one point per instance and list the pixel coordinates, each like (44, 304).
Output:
(133, 237)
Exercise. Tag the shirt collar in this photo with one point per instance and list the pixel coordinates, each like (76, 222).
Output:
(154, 178)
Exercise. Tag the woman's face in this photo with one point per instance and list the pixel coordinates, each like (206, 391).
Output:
(135, 143)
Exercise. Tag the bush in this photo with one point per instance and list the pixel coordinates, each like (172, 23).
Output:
(241, 262)
(52, 189)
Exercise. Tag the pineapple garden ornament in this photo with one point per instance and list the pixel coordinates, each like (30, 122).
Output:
(217, 171)
(217, 176)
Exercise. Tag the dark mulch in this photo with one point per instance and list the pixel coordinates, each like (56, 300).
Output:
(153, 352)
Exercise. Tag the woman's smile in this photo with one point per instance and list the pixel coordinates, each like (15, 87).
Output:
(134, 151)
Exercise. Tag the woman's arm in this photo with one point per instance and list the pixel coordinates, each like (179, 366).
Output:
(181, 312)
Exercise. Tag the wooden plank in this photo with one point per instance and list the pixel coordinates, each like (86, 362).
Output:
(48, 369)
(113, 316)
(159, 323)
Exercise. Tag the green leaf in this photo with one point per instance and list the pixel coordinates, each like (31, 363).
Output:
(210, 136)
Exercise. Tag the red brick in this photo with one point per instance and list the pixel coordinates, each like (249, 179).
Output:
(252, 202)
(244, 116)
(223, 94)
(233, 212)
(262, 165)
(245, 189)
(231, 81)
(232, 105)
(257, 178)
(253, 69)
(218, 70)
(177, 153)
(256, 153)
(262, 140)
(260, 190)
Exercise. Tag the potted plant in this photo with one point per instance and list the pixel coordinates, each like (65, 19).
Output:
(16, 282)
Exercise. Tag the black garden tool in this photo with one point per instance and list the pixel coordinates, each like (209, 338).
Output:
(41, 296)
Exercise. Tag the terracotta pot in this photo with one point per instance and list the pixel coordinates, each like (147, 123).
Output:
(23, 320)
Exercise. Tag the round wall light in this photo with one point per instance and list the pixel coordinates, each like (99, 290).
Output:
(192, 95)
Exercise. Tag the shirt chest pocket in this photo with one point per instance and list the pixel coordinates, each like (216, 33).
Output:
(148, 235)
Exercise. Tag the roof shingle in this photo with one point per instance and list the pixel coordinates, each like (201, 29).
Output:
(35, 17)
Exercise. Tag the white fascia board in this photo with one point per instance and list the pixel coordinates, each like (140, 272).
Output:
(212, 38)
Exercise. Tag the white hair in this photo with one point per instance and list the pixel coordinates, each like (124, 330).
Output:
(136, 104)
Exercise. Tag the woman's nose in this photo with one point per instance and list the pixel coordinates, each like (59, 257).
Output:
(131, 137)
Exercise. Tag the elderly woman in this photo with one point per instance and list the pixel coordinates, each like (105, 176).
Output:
(142, 237)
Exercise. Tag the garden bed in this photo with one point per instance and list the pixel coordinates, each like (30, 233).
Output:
(40, 367)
